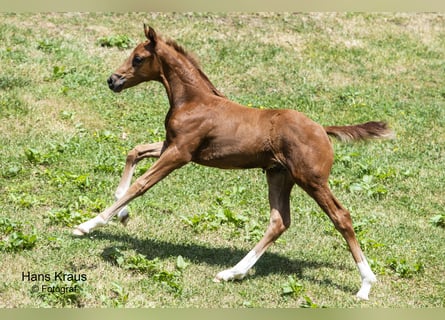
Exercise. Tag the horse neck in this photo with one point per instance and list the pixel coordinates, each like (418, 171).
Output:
(182, 80)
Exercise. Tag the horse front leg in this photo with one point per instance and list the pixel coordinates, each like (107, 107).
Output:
(169, 160)
(151, 150)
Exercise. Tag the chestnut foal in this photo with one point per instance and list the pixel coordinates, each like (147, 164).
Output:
(203, 126)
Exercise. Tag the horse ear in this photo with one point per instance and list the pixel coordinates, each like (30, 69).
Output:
(150, 34)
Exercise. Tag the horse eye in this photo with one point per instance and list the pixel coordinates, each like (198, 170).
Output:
(137, 61)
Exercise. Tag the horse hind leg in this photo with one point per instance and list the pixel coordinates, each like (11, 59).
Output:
(311, 172)
(280, 185)
(151, 150)
(343, 223)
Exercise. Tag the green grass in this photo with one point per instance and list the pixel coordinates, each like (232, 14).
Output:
(65, 135)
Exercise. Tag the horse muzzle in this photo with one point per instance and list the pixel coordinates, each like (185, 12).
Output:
(116, 82)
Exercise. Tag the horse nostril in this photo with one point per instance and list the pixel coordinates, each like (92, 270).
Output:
(116, 82)
(110, 82)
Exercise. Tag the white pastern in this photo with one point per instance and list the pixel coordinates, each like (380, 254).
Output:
(121, 191)
(123, 214)
(88, 226)
(368, 278)
(240, 270)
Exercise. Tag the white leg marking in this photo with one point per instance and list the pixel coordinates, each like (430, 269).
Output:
(123, 214)
(368, 278)
(239, 271)
(121, 191)
(89, 225)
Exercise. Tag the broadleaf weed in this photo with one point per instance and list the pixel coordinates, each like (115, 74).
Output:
(66, 217)
(119, 297)
(13, 238)
(152, 268)
(296, 290)
(118, 41)
(403, 268)
(292, 287)
(63, 294)
(438, 220)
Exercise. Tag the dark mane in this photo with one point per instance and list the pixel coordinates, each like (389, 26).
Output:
(195, 63)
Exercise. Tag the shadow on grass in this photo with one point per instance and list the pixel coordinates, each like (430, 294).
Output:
(270, 263)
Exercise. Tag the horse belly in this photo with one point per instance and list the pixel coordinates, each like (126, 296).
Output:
(233, 162)
(233, 156)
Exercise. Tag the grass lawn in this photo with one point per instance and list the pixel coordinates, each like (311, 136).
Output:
(64, 137)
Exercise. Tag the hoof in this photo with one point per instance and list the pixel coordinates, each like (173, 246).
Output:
(124, 217)
(229, 275)
(362, 296)
(363, 293)
(78, 232)
(124, 220)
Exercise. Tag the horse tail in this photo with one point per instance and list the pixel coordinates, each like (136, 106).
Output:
(364, 131)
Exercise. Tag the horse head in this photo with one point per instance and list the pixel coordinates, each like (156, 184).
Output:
(142, 65)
